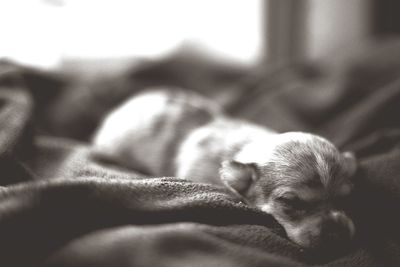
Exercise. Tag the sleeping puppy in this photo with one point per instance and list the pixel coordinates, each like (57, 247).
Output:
(299, 178)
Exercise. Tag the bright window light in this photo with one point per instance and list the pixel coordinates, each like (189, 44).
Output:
(43, 32)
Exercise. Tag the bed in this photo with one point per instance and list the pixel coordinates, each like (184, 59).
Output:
(59, 206)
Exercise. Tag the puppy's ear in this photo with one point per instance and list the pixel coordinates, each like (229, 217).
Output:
(238, 176)
(351, 162)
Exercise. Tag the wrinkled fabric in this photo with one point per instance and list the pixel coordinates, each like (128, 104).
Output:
(60, 206)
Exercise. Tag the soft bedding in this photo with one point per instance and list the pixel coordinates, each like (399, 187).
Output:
(59, 206)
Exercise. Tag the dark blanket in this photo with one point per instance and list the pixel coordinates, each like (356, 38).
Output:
(60, 207)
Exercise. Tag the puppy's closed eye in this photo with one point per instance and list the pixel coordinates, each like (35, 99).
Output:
(293, 202)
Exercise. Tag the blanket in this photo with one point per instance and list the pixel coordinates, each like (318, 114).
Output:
(59, 206)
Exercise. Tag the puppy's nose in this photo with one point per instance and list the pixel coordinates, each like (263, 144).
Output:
(337, 228)
(341, 218)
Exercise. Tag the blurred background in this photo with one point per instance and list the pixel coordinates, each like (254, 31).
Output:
(286, 64)
(46, 33)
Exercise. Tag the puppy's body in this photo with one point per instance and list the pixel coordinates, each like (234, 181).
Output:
(145, 132)
(296, 177)
(173, 133)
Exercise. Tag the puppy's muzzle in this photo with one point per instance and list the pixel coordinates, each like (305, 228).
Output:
(336, 229)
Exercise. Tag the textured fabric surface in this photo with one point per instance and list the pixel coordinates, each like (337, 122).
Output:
(60, 207)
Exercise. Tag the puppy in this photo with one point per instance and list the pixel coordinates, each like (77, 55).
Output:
(299, 178)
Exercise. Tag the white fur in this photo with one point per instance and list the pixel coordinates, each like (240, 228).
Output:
(124, 135)
(205, 148)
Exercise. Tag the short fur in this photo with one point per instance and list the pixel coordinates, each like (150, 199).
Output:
(296, 177)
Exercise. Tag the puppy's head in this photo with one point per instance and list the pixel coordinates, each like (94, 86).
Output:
(302, 180)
